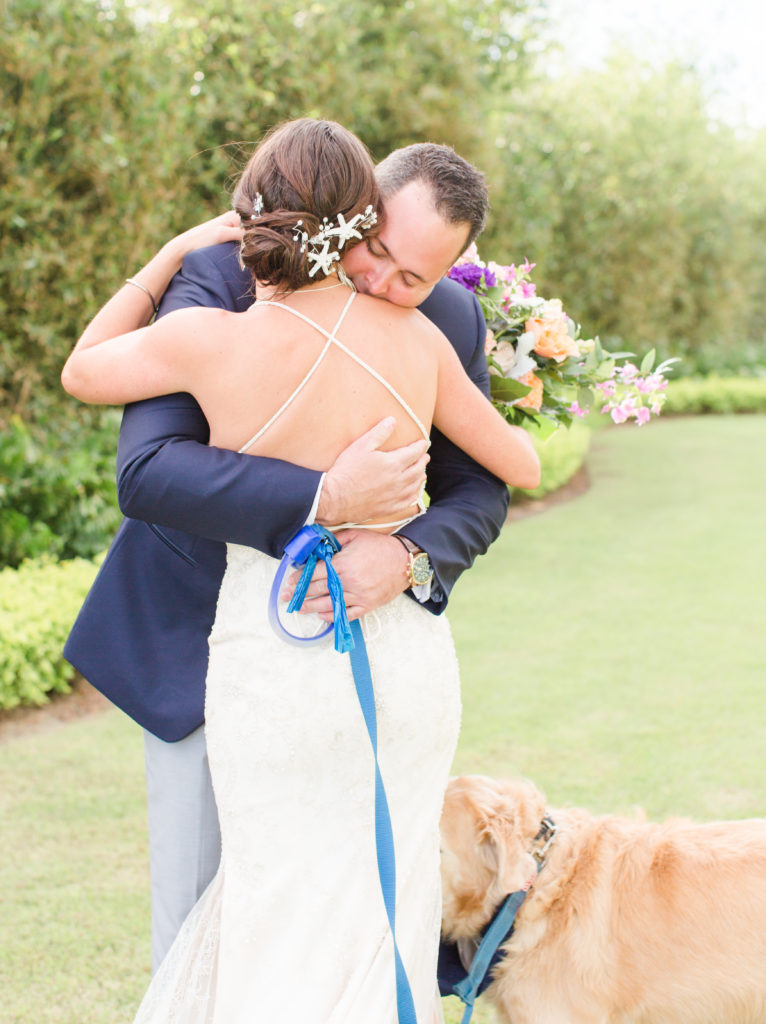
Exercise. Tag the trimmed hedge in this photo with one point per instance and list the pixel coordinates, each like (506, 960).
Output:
(698, 395)
(561, 455)
(38, 604)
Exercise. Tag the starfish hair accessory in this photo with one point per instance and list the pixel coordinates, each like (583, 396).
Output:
(324, 247)
(257, 206)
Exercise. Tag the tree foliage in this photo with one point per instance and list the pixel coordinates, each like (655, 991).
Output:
(642, 213)
(123, 133)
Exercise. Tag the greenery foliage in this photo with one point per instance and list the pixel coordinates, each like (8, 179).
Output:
(57, 489)
(692, 396)
(38, 604)
(561, 453)
(126, 136)
(644, 215)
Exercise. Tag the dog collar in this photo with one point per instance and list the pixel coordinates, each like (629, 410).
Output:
(544, 837)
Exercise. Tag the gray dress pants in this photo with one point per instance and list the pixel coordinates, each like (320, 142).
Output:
(184, 834)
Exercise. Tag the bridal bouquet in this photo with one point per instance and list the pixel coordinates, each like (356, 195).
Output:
(540, 367)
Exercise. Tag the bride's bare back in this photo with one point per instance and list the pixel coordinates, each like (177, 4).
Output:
(269, 352)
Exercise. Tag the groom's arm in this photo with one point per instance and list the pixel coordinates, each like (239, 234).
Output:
(167, 474)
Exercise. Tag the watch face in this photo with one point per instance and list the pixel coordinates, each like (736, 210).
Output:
(421, 569)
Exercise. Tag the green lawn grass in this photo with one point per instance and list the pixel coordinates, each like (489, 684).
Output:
(612, 649)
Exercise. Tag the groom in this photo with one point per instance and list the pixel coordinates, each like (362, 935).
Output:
(141, 637)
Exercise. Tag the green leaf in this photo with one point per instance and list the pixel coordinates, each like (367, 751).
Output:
(545, 427)
(647, 362)
(584, 398)
(504, 390)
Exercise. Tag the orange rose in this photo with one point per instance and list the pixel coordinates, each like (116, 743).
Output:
(552, 339)
(533, 399)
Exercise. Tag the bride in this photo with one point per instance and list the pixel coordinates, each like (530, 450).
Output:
(293, 926)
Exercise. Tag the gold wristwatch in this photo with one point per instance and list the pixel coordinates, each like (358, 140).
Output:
(419, 568)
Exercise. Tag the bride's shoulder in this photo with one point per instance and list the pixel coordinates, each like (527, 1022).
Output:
(404, 318)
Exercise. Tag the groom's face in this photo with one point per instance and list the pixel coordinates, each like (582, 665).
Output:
(414, 250)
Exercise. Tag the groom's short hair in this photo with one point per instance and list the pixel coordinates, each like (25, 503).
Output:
(459, 189)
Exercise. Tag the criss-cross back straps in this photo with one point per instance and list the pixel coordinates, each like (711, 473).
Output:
(331, 340)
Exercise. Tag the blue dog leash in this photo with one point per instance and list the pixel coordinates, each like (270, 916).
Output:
(309, 545)
(495, 935)
(500, 927)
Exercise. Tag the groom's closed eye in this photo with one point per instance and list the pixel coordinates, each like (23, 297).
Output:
(378, 251)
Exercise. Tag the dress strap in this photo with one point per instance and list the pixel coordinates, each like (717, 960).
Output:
(374, 373)
(330, 338)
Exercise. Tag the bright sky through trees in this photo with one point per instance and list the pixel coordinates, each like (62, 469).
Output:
(725, 39)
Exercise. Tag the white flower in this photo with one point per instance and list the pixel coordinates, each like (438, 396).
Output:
(514, 362)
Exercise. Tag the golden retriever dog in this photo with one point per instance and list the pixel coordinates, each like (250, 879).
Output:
(626, 922)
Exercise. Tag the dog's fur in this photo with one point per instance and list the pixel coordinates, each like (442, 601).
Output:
(627, 923)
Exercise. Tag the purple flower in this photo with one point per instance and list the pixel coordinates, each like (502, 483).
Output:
(470, 276)
(528, 290)
(467, 274)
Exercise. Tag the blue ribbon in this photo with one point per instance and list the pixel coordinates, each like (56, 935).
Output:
(308, 546)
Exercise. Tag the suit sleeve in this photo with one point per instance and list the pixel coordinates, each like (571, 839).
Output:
(166, 472)
(468, 504)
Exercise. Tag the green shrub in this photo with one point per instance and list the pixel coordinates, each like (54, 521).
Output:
(692, 396)
(561, 455)
(57, 488)
(38, 604)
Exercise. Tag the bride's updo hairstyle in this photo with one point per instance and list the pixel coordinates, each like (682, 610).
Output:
(303, 170)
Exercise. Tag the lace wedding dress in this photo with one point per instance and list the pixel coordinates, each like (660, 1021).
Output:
(293, 927)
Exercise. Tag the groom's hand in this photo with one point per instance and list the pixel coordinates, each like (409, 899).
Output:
(372, 568)
(365, 483)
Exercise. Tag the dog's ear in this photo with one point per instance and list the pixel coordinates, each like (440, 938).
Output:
(505, 845)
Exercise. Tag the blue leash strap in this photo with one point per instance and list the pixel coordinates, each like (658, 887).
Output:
(497, 932)
(308, 546)
(384, 836)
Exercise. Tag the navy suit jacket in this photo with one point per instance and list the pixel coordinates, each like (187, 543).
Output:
(141, 636)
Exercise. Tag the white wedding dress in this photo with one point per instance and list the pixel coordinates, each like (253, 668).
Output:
(293, 927)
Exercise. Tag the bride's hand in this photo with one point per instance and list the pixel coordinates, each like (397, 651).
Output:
(225, 228)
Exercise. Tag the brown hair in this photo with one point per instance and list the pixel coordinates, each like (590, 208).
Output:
(458, 188)
(304, 170)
